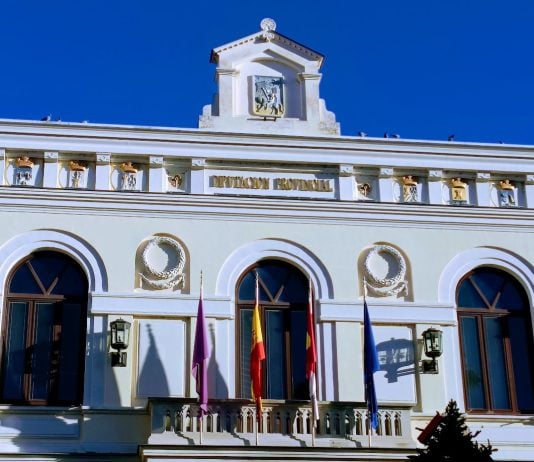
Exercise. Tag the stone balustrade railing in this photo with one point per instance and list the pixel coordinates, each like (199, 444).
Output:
(233, 422)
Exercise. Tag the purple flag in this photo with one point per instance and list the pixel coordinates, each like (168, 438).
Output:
(201, 354)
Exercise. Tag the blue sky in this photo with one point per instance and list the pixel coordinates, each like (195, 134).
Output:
(423, 69)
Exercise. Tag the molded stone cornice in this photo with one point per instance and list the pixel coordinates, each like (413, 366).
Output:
(348, 213)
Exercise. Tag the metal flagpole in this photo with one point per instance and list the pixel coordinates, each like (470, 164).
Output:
(369, 417)
(201, 365)
(257, 424)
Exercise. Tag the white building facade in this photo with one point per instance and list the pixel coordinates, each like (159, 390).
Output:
(103, 222)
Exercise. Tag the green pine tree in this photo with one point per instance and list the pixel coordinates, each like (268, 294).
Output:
(452, 441)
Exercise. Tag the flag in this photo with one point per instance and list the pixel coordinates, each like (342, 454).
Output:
(370, 366)
(257, 354)
(311, 355)
(201, 354)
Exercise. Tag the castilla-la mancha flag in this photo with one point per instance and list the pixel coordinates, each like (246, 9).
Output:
(257, 354)
(311, 356)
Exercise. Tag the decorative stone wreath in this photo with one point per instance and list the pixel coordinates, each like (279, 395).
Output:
(163, 279)
(385, 286)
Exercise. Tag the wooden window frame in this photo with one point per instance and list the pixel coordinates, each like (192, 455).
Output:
(273, 304)
(32, 300)
(479, 314)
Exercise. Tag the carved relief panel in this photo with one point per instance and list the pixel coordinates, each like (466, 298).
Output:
(384, 271)
(161, 264)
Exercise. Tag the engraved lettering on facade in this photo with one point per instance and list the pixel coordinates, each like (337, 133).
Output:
(297, 184)
(240, 182)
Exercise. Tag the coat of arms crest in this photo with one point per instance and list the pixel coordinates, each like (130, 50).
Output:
(268, 96)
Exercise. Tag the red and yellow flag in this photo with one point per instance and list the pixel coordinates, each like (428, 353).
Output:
(257, 354)
(311, 355)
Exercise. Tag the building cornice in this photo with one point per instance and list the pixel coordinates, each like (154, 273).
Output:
(371, 152)
(246, 208)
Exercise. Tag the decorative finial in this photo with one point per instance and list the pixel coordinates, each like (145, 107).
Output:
(268, 26)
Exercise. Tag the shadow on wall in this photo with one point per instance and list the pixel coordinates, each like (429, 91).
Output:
(396, 358)
(152, 380)
(218, 388)
(31, 430)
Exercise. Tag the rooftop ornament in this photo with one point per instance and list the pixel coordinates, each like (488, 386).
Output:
(268, 26)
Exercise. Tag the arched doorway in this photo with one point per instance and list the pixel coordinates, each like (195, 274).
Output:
(283, 299)
(44, 330)
(496, 342)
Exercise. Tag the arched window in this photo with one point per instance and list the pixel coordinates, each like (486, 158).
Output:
(283, 302)
(496, 341)
(43, 341)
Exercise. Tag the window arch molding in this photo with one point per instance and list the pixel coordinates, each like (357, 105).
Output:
(468, 260)
(19, 247)
(247, 255)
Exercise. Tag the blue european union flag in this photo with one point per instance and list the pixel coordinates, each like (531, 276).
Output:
(370, 366)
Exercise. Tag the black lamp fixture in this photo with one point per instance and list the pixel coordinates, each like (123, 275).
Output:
(433, 348)
(120, 337)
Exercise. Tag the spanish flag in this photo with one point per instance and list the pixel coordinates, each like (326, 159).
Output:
(257, 354)
(311, 355)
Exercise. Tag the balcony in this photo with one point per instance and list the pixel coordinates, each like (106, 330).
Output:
(283, 424)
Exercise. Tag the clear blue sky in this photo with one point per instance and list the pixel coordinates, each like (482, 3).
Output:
(423, 69)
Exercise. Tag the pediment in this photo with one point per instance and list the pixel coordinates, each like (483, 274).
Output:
(268, 82)
(258, 44)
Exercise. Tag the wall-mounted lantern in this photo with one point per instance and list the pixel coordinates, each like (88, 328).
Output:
(120, 338)
(433, 349)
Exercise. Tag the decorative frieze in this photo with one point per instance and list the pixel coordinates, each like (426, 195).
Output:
(507, 194)
(458, 191)
(77, 177)
(23, 171)
(128, 181)
(409, 189)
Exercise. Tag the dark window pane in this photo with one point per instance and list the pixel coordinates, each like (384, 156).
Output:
(71, 368)
(496, 364)
(44, 362)
(245, 346)
(71, 283)
(295, 289)
(273, 275)
(23, 282)
(48, 266)
(275, 354)
(247, 290)
(283, 298)
(468, 297)
(513, 297)
(472, 363)
(298, 352)
(523, 369)
(14, 356)
(490, 281)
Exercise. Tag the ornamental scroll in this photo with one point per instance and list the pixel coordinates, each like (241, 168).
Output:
(385, 271)
(162, 263)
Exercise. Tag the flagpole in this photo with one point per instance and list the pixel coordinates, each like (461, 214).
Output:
(369, 425)
(314, 417)
(202, 365)
(201, 354)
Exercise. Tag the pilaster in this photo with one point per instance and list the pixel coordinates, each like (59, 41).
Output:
(483, 189)
(529, 190)
(226, 79)
(310, 96)
(435, 195)
(103, 171)
(3, 165)
(198, 176)
(385, 184)
(156, 174)
(346, 182)
(51, 169)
